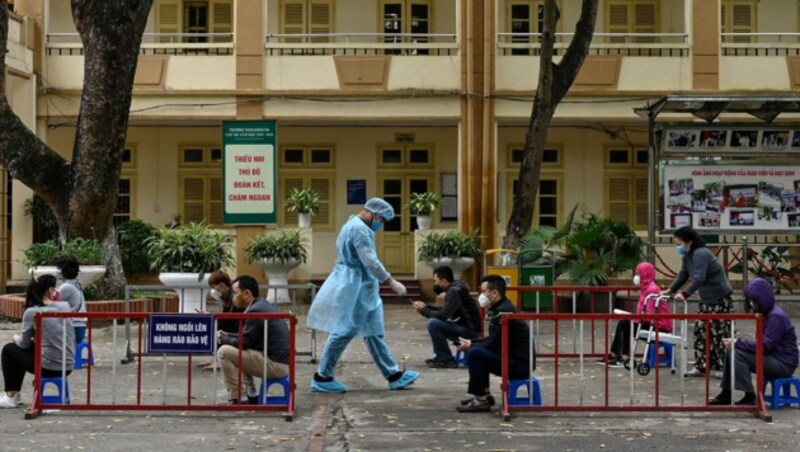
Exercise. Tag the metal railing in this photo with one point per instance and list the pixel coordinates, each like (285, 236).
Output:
(602, 391)
(408, 44)
(627, 44)
(136, 391)
(152, 44)
(760, 44)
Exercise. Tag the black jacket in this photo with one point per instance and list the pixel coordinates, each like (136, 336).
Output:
(459, 307)
(518, 335)
(253, 333)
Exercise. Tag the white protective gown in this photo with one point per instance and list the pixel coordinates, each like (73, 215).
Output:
(349, 302)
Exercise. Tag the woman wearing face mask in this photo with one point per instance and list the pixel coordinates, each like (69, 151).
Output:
(706, 277)
(58, 341)
(645, 279)
(220, 284)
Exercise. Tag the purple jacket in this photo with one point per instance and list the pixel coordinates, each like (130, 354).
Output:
(780, 339)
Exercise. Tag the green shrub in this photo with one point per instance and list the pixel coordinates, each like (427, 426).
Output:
(131, 235)
(195, 248)
(303, 200)
(450, 245)
(87, 252)
(282, 246)
(423, 203)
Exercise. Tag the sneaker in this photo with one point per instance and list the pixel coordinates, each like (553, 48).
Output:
(616, 363)
(432, 360)
(748, 399)
(489, 398)
(695, 372)
(716, 374)
(8, 402)
(328, 386)
(475, 406)
(406, 380)
(442, 364)
(721, 399)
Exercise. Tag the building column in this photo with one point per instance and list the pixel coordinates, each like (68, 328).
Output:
(477, 161)
(704, 18)
(249, 47)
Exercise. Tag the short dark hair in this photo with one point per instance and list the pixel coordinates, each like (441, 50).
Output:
(219, 276)
(495, 282)
(247, 282)
(69, 267)
(444, 272)
(687, 234)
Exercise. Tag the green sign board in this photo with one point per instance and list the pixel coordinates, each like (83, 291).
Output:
(249, 172)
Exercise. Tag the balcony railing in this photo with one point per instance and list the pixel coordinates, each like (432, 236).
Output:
(760, 44)
(153, 44)
(433, 44)
(628, 44)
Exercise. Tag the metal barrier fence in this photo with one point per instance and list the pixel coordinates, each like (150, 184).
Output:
(167, 402)
(603, 391)
(199, 295)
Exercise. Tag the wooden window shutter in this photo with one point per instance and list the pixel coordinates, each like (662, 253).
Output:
(618, 20)
(321, 18)
(215, 200)
(288, 183)
(222, 19)
(168, 19)
(293, 18)
(645, 20)
(193, 198)
(323, 186)
(742, 20)
(641, 203)
(619, 198)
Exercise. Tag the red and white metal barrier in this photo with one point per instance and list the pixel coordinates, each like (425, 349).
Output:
(603, 390)
(141, 352)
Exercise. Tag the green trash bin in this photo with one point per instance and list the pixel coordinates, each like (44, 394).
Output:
(537, 276)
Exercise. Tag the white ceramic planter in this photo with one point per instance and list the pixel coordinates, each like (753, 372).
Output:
(191, 298)
(458, 264)
(304, 220)
(278, 274)
(424, 222)
(88, 273)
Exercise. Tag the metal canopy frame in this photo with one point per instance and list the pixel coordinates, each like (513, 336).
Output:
(708, 108)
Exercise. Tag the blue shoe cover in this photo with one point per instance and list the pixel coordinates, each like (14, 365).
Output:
(405, 381)
(327, 386)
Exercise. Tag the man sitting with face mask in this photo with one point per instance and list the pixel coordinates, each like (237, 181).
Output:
(246, 296)
(780, 347)
(458, 317)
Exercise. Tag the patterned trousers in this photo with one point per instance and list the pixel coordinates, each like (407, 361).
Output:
(719, 329)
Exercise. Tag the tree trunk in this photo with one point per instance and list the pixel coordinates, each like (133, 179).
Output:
(82, 193)
(554, 82)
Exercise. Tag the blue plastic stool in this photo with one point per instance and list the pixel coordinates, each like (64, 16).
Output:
(54, 399)
(664, 358)
(265, 399)
(461, 359)
(79, 361)
(782, 392)
(513, 388)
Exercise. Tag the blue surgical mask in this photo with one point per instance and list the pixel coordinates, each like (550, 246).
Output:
(681, 250)
(376, 225)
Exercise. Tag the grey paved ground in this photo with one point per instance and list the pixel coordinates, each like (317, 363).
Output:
(370, 417)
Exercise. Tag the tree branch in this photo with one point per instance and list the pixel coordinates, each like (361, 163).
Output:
(567, 70)
(26, 157)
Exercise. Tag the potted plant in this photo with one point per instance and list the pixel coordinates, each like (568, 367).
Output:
(41, 258)
(595, 249)
(455, 249)
(304, 201)
(185, 256)
(422, 205)
(277, 254)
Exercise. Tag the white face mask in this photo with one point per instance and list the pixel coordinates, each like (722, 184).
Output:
(216, 294)
(483, 300)
(637, 280)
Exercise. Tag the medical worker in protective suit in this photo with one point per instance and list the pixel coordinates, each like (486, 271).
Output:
(348, 303)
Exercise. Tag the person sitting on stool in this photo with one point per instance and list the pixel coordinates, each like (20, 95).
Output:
(780, 347)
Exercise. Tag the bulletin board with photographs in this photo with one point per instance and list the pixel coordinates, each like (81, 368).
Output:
(732, 197)
(753, 140)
